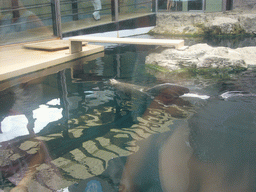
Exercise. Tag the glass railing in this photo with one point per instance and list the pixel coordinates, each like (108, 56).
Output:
(21, 22)
(26, 21)
(77, 15)
(30, 21)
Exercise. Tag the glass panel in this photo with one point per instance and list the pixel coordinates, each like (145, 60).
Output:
(77, 15)
(132, 117)
(195, 5)
(179, 5)
(24, 21)
(134, 8)
(113, 122)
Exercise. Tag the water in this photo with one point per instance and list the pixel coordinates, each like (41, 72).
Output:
(76, 126)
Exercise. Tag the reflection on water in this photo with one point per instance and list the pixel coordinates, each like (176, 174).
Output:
(24, 113)
(110, 125)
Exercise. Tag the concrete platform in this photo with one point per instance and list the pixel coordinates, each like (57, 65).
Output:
(15, 60)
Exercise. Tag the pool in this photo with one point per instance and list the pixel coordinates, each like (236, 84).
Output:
(80, 124)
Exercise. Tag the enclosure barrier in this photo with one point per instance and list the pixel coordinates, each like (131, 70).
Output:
(52, 14)
(62, 17)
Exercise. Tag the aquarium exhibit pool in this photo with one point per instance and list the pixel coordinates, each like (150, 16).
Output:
(110, 124)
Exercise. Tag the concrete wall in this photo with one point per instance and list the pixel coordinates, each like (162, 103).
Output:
(244, 4)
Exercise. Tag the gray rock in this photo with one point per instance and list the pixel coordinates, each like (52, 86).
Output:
(222, 25)
(248, 54)
(204, 56)
(228, 23)
(247, 22)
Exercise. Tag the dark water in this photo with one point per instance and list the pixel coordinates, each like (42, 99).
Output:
(74, 124)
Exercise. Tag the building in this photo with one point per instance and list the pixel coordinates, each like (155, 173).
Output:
(206, 5)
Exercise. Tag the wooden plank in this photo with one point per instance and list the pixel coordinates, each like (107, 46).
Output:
(138, 41)
(50, 45)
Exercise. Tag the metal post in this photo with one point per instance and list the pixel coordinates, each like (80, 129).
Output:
(116, 17)
(74, 10)
(116, 10)
(203, 5)
(156, 6)
(56, 18)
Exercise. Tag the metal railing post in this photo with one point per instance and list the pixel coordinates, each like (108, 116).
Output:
(203, 5)
(74, 10)
(116, 10)
(156, 6)
(116, 16)
(56, 18)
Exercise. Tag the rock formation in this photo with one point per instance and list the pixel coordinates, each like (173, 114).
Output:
(204, 56)
(203, 24)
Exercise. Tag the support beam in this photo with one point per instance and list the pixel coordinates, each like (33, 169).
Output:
(56, 18)
(75, 47)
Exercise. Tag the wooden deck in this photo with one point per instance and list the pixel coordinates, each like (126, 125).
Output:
(16, 60)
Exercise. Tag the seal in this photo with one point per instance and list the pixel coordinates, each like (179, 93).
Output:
(168, 91)
(165, 97)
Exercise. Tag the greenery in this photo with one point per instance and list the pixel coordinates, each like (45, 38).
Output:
(157, 68)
